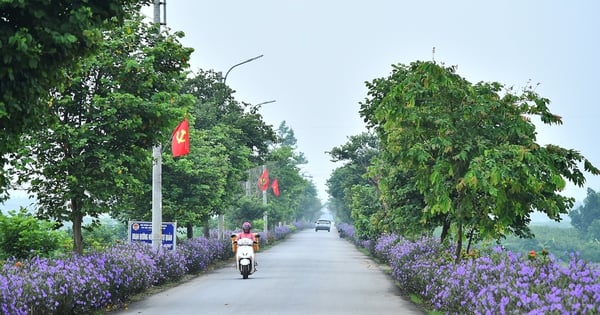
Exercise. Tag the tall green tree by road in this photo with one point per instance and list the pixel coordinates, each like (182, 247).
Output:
(194, 185)
(309, 204)
(37, 40)
(473, 150)
(402, 202)
(216, 105)
(357, 154)
(292, 185)
(115, 107)
(238, 127)
(339, 197)
(360, 194)
(298, 198)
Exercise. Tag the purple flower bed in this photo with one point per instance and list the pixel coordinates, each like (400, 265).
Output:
(86, 284)
(83, 284)
(494, 281)
(346, 231)
(281, 232)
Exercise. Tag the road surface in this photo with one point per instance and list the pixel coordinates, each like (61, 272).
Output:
(308, 273)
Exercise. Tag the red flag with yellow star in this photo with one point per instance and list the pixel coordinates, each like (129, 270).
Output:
(180, 142)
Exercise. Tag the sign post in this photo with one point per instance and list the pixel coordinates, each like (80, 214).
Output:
(141, 231)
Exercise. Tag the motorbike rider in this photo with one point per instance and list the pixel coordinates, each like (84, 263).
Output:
(245, 233)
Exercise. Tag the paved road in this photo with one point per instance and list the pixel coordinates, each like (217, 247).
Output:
(308, 273)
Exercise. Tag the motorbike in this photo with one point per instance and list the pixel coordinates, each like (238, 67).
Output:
(244, 249)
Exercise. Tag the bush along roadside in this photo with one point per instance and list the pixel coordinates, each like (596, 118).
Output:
(489, 280)
(107, 280)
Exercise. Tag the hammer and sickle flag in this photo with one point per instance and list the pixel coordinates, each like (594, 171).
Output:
(263, 180)
(180, 142)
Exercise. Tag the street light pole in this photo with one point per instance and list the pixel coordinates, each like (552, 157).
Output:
(157, 173)
(265, 214)
(221, 224)
(239, 64)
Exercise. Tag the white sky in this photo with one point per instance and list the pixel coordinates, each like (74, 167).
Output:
(318, 54)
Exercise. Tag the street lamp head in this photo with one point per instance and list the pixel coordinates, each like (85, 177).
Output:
(263, 103)
(241, 63)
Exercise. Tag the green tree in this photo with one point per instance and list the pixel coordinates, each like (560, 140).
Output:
(358, 154)
(283, 165)
(37, 40)
(298, 199)
(365, 203)
(309, 204)
(473, 152)
(403, 204)
(338, 188)
(248, 210)
(215, 105)
(587, 215)
(194, 185)
(237, 127)
(24, 236)
(115, 107)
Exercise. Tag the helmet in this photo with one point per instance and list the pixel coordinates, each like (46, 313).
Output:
(246, 227)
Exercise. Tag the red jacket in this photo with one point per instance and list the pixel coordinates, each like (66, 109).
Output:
(246, 235)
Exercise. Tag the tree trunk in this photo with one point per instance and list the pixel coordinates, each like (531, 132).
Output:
(445, 230)
(206, 229)
(471, 234)
(459, 241)
(77, 220)
(190, 230)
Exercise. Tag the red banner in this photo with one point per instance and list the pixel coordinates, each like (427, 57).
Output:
(263, 180)
(180, 142)
(275, 187)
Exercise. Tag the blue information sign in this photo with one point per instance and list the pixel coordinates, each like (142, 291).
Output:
(141, 231)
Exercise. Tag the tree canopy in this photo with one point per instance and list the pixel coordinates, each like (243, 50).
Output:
(471, 149)
(117, 104)
(37, 40)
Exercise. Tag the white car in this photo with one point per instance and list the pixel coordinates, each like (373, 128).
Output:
(323, 224)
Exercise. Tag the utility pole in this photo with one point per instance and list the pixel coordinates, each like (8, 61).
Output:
(265, 215)
(157, 173)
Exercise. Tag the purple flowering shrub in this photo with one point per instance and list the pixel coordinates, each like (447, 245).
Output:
(170, 264)
(200, 252)
(413, 263)
(84, 284)
(384, 245)
(346, 231)
(300, 225)
(493, 282)
(281, 232)
(503, 282)
(74, 285)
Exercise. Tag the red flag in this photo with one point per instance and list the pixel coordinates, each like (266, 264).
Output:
(275, 187)
(263, 180)
(180, 142)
